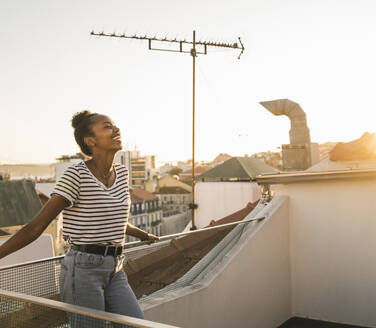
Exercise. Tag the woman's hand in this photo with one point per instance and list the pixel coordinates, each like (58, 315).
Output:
(141, 234)
(149, 238)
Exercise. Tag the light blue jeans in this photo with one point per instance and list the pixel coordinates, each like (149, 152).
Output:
(97, 282)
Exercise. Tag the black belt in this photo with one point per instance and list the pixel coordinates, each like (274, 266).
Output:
(99, 249)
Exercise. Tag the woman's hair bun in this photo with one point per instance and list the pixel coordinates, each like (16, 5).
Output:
(80, 117)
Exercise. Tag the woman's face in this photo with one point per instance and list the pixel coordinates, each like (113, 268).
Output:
(106, 135)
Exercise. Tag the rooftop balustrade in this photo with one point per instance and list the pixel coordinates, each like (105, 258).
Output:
(30, 298)
(30, 293)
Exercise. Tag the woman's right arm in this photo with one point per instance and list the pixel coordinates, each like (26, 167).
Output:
(34, 228)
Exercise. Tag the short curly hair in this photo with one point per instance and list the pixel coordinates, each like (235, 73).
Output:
(81, 122)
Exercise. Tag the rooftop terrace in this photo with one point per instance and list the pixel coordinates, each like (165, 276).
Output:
(307, 261)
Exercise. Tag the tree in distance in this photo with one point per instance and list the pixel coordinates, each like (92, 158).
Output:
(175, 171)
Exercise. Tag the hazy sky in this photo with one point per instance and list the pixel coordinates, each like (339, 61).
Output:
(320, 54)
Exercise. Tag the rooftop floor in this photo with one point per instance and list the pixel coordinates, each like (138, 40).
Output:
(309, 323)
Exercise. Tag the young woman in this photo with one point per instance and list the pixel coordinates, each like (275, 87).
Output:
(95, 199)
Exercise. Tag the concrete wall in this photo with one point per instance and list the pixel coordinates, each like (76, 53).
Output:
(333, 250)
(175, 223)
(218, 199)
(249, 288)
(38, 249)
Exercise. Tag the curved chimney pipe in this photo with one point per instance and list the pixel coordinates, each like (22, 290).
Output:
(299, 133)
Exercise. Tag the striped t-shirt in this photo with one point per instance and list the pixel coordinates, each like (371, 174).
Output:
(96, 214)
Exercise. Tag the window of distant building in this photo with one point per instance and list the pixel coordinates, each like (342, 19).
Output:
(137, 182)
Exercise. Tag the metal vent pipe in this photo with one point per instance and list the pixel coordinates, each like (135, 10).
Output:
(299, 132)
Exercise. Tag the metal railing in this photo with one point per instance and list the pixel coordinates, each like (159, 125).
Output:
(30, 292)
(36, 312)
(180, 234)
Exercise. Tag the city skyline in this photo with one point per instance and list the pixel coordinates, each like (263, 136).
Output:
(320, 55)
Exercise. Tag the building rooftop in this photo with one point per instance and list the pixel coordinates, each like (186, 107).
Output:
(138, 194)
(237, 168)
(360, 149)
(221, 158)
(307, 254)
(171, 190)
(198, 170)
(19, 202)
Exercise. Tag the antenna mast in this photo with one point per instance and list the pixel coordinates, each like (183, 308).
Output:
(193, 52)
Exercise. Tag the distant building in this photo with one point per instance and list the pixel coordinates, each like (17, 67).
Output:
(221, 158)
(325, 149)
(164, 169)
(146, 212)
(140, 168)
(274, 159)
(169, 181)
(65, 161)
(301, 153)
(227, 188)
(123, 157)
(183, 165)
(186, 176)
(27, 171)
(4, 176)
(174, 199)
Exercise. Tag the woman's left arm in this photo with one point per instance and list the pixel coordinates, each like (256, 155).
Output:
(141, 234)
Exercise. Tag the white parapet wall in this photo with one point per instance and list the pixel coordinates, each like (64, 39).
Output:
(333, 249)
(216, 200)
(249, 287)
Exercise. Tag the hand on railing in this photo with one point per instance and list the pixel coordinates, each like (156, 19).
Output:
(150, 238)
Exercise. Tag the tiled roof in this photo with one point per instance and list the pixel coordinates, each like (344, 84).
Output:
(171, 190)
(198, 170)
(356, 150)
(4, 233)
(237, 216)
(237, 168)
(138, 194)
(164, 266)
(19, 202)
(221, 158)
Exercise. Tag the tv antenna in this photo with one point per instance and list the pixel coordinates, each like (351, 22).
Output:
(193, 52)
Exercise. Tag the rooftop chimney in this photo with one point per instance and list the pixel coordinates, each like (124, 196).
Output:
(299, 153)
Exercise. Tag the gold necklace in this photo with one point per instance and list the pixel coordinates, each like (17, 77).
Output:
(104, 176)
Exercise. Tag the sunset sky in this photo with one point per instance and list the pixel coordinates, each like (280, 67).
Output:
(321, 54)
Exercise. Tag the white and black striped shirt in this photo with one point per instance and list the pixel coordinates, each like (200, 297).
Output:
(97, 214)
